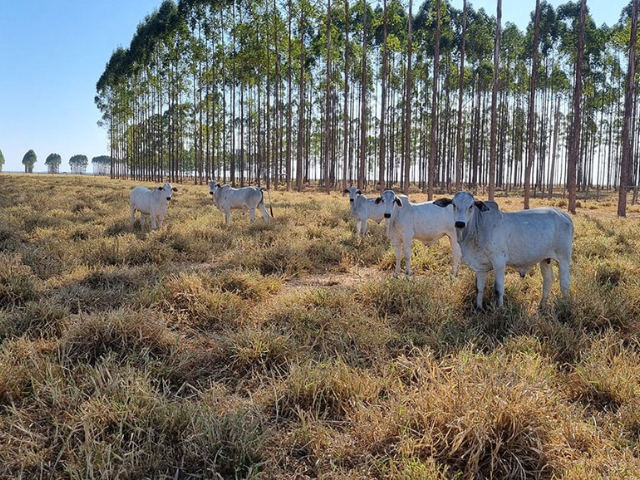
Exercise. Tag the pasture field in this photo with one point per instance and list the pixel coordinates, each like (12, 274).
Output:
(288, 351)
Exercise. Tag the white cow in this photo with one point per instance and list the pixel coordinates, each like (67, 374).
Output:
(425, 222)
(363, 209)
(226, 198)
(154, 203)
(491, 240)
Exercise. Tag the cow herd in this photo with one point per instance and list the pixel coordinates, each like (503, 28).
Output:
(480, 234)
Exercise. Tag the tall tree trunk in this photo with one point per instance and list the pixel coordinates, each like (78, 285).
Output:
(289, 101)
(556, 125)
(408, 97)
(494, 107)
(301, 109)
(345, 113)
(627, 145)
(327, 118)
(363, 101)
(532, 108)
(383, 106)
(460, 95)
(434, 107)
(574, 154)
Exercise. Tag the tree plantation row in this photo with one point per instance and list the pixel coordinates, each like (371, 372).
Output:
(78, 163)
(352, 92)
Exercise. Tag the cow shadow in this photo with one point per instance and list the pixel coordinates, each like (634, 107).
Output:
(455, 324)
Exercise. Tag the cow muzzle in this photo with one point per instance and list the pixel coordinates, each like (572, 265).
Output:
(459, 224)
(351, 200)
(168, 198)
(387, 215)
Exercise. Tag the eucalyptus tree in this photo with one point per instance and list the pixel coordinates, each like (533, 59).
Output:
(53, 162)
(627, 144)
(459, 126)
(363, 93)
(494, 104)
(574, 150)
(78, 163)
(101, 164)
(29, 160)
(532, 107)
(111, 100)
(304, 30)
(383, 105)
(1, 160)
(434, 107)
(408, 99)
(479, 46)
(434, 40)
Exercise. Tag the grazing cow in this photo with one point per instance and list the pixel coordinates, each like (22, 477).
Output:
(491, 240)
(363, 209)
(154, 203)
(226, 198)
(425, 222)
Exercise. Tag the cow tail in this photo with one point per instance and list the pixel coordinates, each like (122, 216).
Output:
(270, 204)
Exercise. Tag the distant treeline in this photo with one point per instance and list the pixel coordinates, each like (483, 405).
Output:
(285, 92)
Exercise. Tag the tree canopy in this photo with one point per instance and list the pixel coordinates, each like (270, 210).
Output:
(78, 163)
(29, 160)
(236, 91)
(1, 160)
(53, 162)
(101, 164)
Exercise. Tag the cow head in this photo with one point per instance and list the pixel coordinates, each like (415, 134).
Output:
(464, 205)
(168, 190)
(352, 191)
(389, 198)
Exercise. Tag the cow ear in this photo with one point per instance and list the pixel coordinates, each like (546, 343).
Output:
(398, 201)
(481, 206)
(161, 188)
(359, 192)
(443, 202)
(377, 200)
(345, 191)
(174, 189)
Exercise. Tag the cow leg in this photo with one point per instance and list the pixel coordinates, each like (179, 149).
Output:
(398, 250)
(565, 276)
(364, 227)
(407, 257)
(481, 279)
(499, 273)
(263, 210)
(133, 217)
(358, 226)
(252, 215)
(153, 221)
(159, 222)
(457, 255)
(227, 216)
(546, 269)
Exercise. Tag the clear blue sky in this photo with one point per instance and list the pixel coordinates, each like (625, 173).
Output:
(52, 53)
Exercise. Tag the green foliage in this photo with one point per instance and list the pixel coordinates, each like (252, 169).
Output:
(78, 163)
(1, 160)
(29, 160)
(53, 162)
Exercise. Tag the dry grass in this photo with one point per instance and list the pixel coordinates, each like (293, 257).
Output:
(287, 350)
